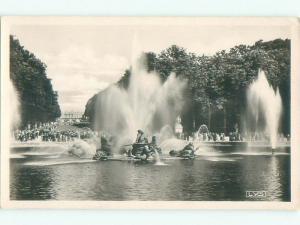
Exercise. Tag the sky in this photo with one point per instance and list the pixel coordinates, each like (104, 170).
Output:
(85, 59)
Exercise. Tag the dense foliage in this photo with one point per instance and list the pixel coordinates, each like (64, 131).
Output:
(217, 85)
(38, 101)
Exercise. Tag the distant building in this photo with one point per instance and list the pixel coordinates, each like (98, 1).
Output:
(71, 117)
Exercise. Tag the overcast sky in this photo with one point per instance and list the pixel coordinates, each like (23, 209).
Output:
(82, 60)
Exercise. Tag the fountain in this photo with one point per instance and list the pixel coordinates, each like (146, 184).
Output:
(14, 115)
(264, 104)
(165, 133)
(14, 106)
(146, 104)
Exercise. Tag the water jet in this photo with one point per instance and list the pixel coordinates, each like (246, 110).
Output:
(265, 107)
(147, 104)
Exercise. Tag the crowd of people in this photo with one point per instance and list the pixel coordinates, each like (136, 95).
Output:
(234, 136)
(62, 132)
(52, 131)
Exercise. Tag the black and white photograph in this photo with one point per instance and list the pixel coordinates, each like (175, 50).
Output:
(173, 111)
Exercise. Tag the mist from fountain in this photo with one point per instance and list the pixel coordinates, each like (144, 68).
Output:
(14, 109)
(264, 104)
(166, 132)
(147, 104)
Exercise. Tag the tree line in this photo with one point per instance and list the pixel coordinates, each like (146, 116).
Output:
(217, 85)
(38, 100)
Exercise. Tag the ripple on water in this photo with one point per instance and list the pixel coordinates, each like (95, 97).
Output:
(53, 163)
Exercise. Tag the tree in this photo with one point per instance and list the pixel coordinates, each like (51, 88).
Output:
(216, 92)
(38, 100)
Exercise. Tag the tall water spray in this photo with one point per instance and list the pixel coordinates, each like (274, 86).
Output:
(264, 101)
(148, 104)
(14, 106)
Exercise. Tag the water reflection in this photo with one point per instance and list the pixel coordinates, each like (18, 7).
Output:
(33, 184)
(220, 176)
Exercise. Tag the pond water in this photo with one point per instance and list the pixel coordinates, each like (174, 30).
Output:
(217, 174)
